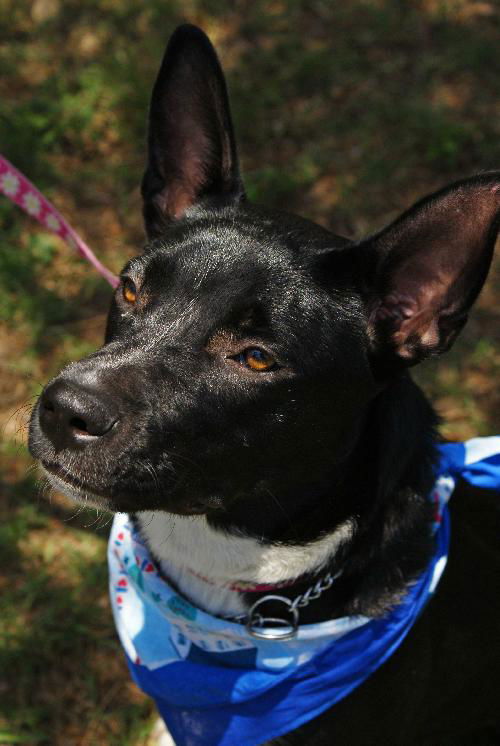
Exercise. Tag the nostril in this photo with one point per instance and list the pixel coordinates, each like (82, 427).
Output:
(79, 425)
(48, 406)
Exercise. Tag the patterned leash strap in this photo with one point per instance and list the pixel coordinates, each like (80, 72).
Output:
(16, 187)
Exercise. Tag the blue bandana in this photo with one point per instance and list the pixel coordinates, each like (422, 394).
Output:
(215, 684)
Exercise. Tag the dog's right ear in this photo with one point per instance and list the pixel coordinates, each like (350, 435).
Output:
(191, 147)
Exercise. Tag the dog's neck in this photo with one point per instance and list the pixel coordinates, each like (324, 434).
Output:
(207, 564)
(376, 504)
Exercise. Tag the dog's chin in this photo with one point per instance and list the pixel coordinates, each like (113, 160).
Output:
(78, 493)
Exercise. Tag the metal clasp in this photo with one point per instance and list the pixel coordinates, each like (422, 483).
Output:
(257, 625)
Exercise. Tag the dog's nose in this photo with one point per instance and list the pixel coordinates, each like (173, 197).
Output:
(71, 414)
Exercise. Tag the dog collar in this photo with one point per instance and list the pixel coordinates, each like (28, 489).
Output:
(285, 626)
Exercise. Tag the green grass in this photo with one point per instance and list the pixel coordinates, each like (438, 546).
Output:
(346, 113)
(62, 671)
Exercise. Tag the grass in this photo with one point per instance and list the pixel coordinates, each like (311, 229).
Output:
(63, 677)
(345, 112)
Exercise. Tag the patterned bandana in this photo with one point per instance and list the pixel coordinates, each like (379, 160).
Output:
(215, 684)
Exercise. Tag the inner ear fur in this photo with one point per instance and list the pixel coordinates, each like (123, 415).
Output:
(422, 273)
(191, 146)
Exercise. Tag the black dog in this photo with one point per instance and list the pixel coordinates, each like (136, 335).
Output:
(254, 383)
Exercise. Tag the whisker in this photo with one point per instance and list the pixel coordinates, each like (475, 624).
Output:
(89, 525)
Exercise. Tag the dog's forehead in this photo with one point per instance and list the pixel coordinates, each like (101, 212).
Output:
(224, 259)
(212, 273)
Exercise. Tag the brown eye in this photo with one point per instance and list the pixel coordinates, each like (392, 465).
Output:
(257, 359)
(129, 291)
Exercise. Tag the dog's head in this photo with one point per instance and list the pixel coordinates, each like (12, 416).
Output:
(244, 346)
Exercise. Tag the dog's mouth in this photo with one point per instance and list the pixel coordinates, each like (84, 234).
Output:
(76, 489)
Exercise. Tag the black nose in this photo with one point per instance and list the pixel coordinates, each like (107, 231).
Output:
(72, 414)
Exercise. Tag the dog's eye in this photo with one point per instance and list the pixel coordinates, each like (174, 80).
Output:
(129, 290)
(257, 359)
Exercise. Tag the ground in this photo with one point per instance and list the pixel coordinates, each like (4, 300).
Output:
(345, 112)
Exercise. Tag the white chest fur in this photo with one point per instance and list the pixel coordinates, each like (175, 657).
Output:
(204, 562)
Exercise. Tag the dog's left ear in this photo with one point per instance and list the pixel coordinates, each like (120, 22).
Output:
(191, 146)
(423, 272)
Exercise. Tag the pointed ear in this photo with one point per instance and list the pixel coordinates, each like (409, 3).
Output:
(424, 271)
(191, 147)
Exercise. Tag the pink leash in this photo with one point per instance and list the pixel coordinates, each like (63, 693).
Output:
(16, 187)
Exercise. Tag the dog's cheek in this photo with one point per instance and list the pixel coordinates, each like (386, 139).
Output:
(250, 443)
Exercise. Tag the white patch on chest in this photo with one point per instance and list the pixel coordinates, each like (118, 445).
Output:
(204, 562)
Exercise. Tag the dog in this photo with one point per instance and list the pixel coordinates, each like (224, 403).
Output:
(253, 414)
